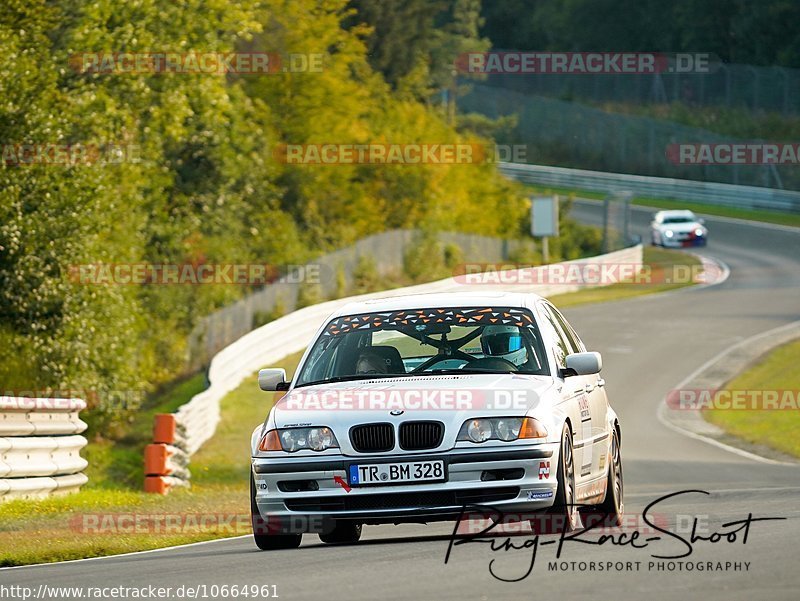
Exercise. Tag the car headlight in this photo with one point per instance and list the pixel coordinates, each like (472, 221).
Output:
(508, 429)
(669, 233)
(318, 438)
(478, 430)
(699, 232)
(505, 429)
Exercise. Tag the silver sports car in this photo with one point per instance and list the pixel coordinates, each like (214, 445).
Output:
(678, 229)
(436, 407)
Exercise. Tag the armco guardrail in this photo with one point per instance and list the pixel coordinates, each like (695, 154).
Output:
(195, 422)
(40, 446)
(727, 195)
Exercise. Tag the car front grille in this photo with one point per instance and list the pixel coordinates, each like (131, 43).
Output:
(372, 438)
(417, 436)
(405, 500)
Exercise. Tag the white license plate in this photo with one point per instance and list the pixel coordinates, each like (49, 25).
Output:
(392, 473)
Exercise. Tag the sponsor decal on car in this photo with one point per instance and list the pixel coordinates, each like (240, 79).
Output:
(544, 470)
(536, 495)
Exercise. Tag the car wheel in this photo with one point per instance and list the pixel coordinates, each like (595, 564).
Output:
(263, 538)
(611, 509)
(563, 515)
(343, 532)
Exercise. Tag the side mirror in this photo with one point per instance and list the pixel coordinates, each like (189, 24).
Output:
(584, 364)
(272, 379)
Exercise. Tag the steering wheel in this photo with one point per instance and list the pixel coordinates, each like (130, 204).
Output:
(492, 364)
(439, 358)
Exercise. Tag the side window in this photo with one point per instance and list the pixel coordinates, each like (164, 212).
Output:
(560, 348)
(575, 342)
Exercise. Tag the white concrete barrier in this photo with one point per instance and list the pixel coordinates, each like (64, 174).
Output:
(30, 456)
(22, 416)
(40, 446)
(30, 488)
(293, 332)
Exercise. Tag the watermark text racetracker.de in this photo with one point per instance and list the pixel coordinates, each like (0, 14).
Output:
(734, 153)
(252, 274)
(195, 63)
(412, 399)
(150, 591)
(200, 524)
(585, 63)
(694, 399)
(414, 153)
(61, 154)
(167, 524)
(61, 399)
(586, 273)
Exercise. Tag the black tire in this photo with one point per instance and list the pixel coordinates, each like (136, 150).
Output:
(563, 516)
(608, 514)
(613, 505)
(343, 532)
(263, 538)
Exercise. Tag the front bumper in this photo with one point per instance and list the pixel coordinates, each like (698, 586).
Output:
(683, 241)
(518, 480)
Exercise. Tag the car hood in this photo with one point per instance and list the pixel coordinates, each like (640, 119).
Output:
(450, 399)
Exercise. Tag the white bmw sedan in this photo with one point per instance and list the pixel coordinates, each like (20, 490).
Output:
(436, 407)
(678, 229)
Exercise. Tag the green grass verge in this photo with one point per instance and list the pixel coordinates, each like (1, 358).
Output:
(777, 429)
(663, 203)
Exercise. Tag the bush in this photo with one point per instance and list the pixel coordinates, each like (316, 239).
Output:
(206, 187)
(261, 318)
(365, 275)
(424, 260)
(309, 294)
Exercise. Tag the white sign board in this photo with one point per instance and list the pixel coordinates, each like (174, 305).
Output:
(544, 216)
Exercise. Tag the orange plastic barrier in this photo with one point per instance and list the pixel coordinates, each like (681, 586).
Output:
(164, 428)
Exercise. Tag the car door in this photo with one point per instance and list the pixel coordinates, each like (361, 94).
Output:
(574, 395)
(594, 386)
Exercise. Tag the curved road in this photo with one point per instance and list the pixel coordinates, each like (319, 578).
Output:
(649, 345)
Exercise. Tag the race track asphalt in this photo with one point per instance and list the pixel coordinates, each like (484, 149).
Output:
(649, 345)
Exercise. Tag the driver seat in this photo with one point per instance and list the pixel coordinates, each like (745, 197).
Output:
(394, 363)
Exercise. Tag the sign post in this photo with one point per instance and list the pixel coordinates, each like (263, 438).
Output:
(544, 221)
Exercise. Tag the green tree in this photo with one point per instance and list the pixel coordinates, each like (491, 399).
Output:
(206, 187)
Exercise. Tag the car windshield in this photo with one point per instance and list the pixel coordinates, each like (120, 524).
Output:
(426, 342)
(680, 219)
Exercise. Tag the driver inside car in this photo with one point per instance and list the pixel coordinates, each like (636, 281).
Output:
(504, 342)
(371, 363)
